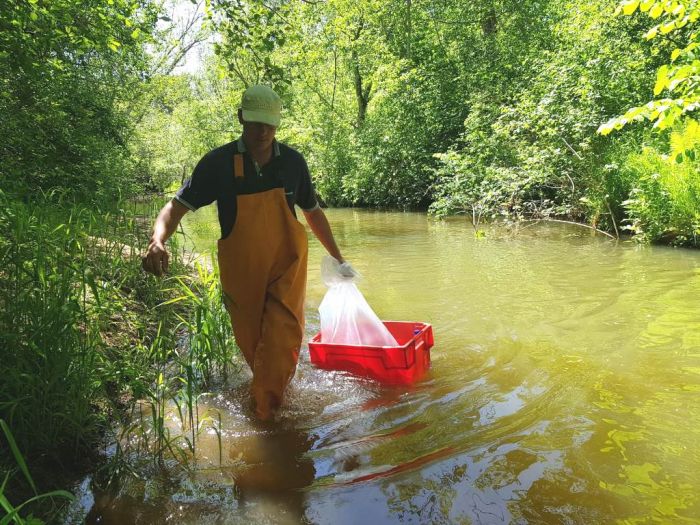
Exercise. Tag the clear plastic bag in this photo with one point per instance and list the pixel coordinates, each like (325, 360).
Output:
(346, 318)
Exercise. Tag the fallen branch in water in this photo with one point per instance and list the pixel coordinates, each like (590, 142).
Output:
(574, 223)
(612, 217)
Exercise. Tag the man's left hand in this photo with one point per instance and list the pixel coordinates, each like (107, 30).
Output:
(347, 271)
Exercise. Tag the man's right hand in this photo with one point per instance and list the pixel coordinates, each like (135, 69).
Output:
(156, 259)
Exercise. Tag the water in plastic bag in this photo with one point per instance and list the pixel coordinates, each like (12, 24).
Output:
(346, 318)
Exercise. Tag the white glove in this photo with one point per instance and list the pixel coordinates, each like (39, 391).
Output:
(346, 271)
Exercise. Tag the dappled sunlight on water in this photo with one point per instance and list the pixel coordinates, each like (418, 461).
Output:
(563, 389)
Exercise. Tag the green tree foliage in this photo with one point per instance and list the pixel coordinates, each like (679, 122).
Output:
(664, 202)
(184, 116)
(455, 106)
(675, 22)
(251, 31)
(67, 72)
(462, 107)
(364, 116)
(537, 152)
(484, 108)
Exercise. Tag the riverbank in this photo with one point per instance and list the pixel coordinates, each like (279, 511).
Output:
(86, 334)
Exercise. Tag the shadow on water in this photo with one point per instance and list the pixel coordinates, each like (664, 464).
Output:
(263, 471)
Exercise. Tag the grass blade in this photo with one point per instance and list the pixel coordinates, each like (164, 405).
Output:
(17, 454)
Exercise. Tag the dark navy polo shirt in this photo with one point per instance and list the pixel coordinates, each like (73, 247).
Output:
(213, 180)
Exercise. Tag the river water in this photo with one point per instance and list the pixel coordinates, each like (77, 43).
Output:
(564, 388)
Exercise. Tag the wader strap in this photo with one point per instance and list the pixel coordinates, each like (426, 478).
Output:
(238, 165)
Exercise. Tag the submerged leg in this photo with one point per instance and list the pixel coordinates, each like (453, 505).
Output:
(277, 353)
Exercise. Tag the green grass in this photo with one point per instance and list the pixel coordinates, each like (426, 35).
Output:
(86, 336)
(12, 512)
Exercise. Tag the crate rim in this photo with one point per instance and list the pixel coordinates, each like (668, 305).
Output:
(316, 338)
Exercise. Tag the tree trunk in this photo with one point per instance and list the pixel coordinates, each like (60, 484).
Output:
(361, 92)
(489, 22)
(409, 28)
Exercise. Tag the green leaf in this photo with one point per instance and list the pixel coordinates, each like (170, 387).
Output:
(685, 72)
(605, 129)
(675, 54)
(15, 512)
(656, 11)
(630, 6)
(645, 5)
(9, 509)
(665, 120)
(634, 113)
(670, 6)
(667, 27)
(174, 300)
(661, 79)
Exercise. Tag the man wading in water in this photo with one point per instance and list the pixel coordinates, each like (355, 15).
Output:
(263, 250)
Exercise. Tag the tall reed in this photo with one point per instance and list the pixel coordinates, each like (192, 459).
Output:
(183, 374)
(85, 333)
(210, 348)
(74, 303)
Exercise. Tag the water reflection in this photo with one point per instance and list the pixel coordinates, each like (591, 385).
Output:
(256, 476)
(563, 389)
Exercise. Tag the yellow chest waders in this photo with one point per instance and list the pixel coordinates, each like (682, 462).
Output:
(262, 264)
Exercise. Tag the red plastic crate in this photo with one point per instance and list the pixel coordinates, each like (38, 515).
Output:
(401, 364)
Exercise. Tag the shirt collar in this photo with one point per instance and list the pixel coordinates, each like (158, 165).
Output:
(242, 148)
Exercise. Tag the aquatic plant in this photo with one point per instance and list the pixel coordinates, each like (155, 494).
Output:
(75, 306)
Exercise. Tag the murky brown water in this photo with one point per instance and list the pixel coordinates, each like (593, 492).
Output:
(565, 388)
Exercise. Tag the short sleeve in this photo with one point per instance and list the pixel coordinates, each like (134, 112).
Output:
(306, 194)
(200, 189)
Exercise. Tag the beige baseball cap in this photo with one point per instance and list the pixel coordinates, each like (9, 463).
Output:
(261, 104)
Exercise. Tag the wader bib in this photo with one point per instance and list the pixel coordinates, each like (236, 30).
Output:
(262, 263)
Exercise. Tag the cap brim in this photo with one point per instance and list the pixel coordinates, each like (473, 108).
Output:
(259, 116)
